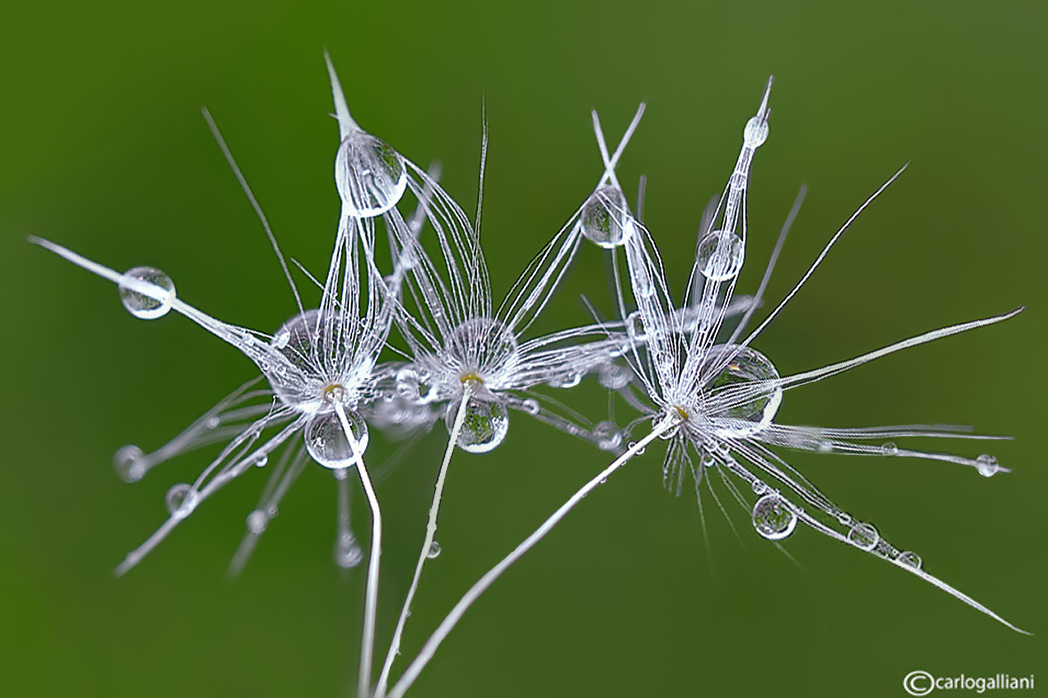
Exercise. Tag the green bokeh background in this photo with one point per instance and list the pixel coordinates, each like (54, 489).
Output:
(104, 151)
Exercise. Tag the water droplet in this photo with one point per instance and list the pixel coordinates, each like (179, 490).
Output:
(614, 377)
(773, 517)
(755, 133)
(606, 218)
(407, 384)
(863, 536)
(633, 444)
(609, 438)
(531, 406)
(257, 522)
(434, 550)
(635, 327)
(281, 338)
(565, 380)
(213, 423)
(148, 306)
(128, 463)
(720, 255)
(181, 500)
(262, 461)
(758, 487)
(988, 465)
(484, 425)
(890, 449)
(326, 439)
(347, 553)
(370, 175)
(909, 559)
(749, 405)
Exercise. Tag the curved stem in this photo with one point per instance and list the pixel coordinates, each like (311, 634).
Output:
(431, 532)
(367, 640)
(449, 622)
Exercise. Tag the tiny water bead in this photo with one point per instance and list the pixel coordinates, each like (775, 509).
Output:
(720, 255)
(773, 517)
(347, 551)
(434, 550)
(909, 559)
(257, 521)
(181, 500)
(864, 536)
(128, 463)
(157, 303)
(484, 425)
(606, 219)
(988, 465)
(369, 174)
(742, 413)
(531, 406)
(326, 439)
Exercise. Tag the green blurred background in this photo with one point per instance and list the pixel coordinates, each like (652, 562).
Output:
(105, 151)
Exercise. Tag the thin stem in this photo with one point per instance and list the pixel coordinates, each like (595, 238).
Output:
(449, 622)
(367, 641)
(431, 532)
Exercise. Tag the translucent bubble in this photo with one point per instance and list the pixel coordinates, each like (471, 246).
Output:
(773, 518)
(909, 559)
(531, 406)
(434, 550)
(613, 376)
(370, 175)
(257, 521)
(606, 218)
(128, 463)
(327, 443)
(609, 438)
(262, 461)
(407, 383)
(484, 425)
(988, 465)
(755, 133)
(758, 487)
(720, 255)
(890, 449)
(347, 552)
(863, 536)
(181, 500)
(635, 327)
(756, 411)
(146, 307)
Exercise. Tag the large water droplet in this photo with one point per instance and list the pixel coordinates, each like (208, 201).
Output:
(434, 550)
(755, 133)
(773, 517)
(128, 463)
(326, 439)
(606, 218)
(863, 536)
(736, 411)
(613, 376)
(484, 425)
(153, 305)
(720, 255)
(370, 175)
(608, 436)
(181, 500)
